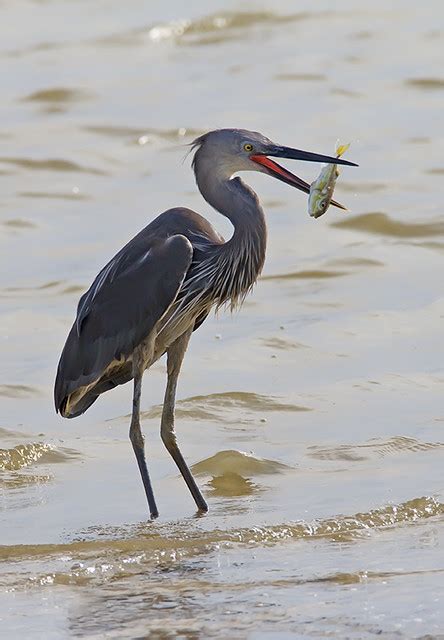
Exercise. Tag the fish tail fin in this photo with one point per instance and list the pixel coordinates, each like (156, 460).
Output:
(341, 149)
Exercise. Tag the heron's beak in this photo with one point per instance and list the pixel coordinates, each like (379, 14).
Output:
(274, 169)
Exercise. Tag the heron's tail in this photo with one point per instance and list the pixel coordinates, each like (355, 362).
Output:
(74, 405)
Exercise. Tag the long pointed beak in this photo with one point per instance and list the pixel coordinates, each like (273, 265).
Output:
(307, 156)
(274, 169)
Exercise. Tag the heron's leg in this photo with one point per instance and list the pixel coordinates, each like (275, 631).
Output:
(138, 442)
(176, 353)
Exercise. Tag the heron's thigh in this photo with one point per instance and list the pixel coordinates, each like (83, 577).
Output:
(143, 354)
(176, 352)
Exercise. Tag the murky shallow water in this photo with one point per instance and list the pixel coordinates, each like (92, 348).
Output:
(313, 418)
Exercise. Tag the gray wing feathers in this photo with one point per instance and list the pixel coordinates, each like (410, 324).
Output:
(124, 303)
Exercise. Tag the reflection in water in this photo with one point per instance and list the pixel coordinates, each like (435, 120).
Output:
(231, 484)
(231, 472)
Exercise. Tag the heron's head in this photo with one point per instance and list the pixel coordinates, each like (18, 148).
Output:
(224, 152)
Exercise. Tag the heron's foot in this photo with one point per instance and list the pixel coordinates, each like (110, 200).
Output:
(201, 513)
(202, 506)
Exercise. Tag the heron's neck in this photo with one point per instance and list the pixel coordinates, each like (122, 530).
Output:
(244, 254)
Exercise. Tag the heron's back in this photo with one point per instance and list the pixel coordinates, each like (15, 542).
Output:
(126, 301)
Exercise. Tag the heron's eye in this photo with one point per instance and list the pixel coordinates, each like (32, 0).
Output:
(248, 147)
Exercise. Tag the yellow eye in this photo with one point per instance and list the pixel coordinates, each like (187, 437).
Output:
(248, 147)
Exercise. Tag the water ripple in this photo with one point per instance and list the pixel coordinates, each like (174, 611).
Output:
(51, 288)
(216, 407)
(300, 77)
(124, 549)
(23, 455)
(144, 135)
(51, 164)
(426, 84)
(382, 224)
(379, 448)
(244, 464)
(306, 274)
(57, 95)
(18, 391)
(211, 29)
(19, 223)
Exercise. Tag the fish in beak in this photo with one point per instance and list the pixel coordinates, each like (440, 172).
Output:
(274, 169)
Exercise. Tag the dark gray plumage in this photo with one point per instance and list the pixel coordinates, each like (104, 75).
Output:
(114, 315)
(161, 286)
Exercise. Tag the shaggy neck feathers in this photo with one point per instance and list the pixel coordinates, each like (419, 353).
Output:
(234, 267)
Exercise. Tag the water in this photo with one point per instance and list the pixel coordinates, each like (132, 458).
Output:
(314, 417)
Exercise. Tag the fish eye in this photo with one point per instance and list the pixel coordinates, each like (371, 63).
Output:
(248, 147)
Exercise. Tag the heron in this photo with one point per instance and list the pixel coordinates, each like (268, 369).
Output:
(161, 286)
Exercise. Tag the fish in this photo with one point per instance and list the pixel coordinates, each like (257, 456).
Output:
(321, 190)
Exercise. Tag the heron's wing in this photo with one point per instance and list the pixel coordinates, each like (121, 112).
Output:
(124, 303)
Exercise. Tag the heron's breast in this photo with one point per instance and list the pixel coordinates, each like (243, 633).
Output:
(180, 318)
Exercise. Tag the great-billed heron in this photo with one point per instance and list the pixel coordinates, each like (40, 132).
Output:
(161, 286)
